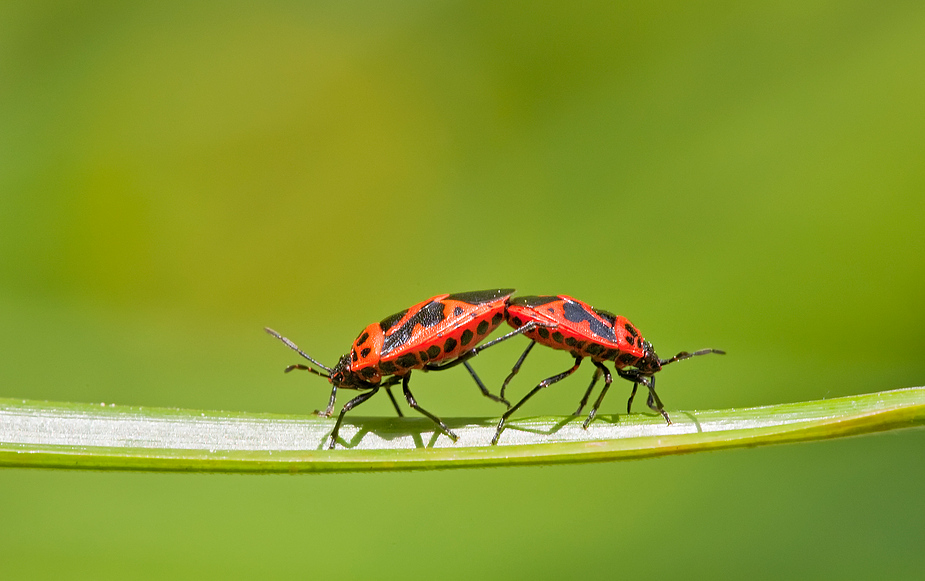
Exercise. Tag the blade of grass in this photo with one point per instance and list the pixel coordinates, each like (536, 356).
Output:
(88, 436)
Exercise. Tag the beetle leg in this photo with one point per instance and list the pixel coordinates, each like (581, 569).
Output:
(629, 402)
(654, 403)
(545, 383)
(388, 389)
(347, 407)
(518, 331)
(414, 404)
(463, 358)
(632, 375)
(484, 389)
(330, 409)
(516, 367)
(584, 400)
(608, 379)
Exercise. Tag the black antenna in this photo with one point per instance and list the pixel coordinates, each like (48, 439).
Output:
(685, 355)
(295, 348)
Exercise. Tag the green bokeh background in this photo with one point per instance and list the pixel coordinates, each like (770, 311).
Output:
(175, 176)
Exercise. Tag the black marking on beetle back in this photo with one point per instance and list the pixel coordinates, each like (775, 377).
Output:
(631, 330)
(423, 356)
(457, 311)
(362, 339)
(518, 322)
(430, 314)
(466, 337)
(577, 314)
(609, 354)
(557, 337)
(534, 301)
(353, 355)
(496, 320)
(481, 297)
(627, 358)
(543, 332)
(368, 372)
(449, 345)
(606, 315)
(389, 322)
(365, 352)
(387, 367)
(570, 341)
(433, 351)
(594, 349)
(482, 328)
(407, 360)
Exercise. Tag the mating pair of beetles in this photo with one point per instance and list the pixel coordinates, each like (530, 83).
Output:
(445, 331)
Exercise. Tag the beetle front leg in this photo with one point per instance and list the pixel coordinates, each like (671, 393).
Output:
(347, 407)
(330, 409)
(608, 379)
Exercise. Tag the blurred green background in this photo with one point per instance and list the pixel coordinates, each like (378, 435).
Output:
(175, 176)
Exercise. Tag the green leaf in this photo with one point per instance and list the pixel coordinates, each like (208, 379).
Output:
(72, 435)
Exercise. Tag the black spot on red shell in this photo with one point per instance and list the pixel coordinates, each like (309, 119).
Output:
(496, 319)
(353, 355)
(630, 329)
(630, 339)
(481, 297)
(466, 337)
(423, 356)
(594, 349)
(576, 313)
(457, 311)
(550, 310)
(609, 354)
(407, 360)
(575, 353)
(627, 358)
(533, 301)
(518, 322)
(606, 315)
(557, 337)
(570, 341)
(429, 315)
(389, 322)
(543, 332)
(433, 351)
(362, 339)
(482, 328)
(365, 352)
(387, 367)
(368, 372)
(449, 345)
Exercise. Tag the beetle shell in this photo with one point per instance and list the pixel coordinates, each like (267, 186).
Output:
(580, 329)
(433, 331)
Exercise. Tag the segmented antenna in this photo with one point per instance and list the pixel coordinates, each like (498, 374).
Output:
(295, 348)
(685, 355)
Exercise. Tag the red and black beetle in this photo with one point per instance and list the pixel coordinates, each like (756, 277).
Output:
(565, 323)
(437, 334)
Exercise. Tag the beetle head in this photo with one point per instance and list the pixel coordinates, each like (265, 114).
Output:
(343, 377)
(650, 362)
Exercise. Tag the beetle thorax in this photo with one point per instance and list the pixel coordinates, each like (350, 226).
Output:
(650, 362)
(343, 376)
